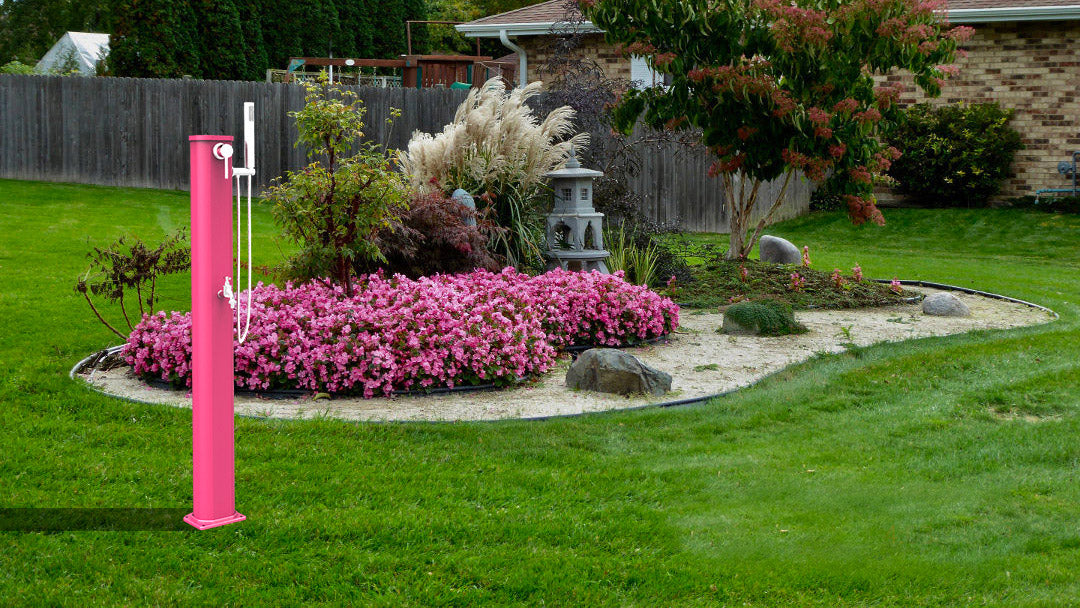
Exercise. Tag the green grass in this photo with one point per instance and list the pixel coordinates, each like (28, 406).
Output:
(928, 473)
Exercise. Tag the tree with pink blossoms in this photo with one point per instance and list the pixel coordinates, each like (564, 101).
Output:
(779, 87)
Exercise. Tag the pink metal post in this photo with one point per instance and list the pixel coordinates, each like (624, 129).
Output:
(211, 336)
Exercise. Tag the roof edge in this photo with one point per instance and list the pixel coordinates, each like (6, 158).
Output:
(963, 15)
(491, 30)
(1018, 13)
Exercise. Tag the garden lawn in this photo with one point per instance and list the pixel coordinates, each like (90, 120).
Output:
(936, 472)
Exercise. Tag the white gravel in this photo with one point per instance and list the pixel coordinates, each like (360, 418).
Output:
(700, 361)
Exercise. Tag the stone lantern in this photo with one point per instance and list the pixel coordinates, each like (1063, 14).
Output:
(574, 232)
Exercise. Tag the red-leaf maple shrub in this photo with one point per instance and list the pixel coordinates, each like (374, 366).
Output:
(779, 87)
(433, 238)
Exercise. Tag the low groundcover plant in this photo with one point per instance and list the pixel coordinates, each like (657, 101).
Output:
(400, 334)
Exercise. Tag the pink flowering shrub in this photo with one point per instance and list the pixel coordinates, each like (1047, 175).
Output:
(601, 309)
(397, 333)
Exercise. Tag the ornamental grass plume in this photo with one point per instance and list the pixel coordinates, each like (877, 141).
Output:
(493, 144)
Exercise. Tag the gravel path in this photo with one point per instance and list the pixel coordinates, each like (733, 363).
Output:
(701, 362)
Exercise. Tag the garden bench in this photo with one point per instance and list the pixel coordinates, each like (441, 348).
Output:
(1068, 169)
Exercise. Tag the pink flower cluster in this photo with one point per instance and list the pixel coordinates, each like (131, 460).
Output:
(396, 333)
(601, 309)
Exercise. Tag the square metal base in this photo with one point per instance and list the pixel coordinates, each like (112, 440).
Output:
(206, 524)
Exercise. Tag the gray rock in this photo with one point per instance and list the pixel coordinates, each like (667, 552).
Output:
(462, 196)
(778, 251)
(945, 304)
(609, 370)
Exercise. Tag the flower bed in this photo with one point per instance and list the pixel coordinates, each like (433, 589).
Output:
(589, 308)
(398, 333)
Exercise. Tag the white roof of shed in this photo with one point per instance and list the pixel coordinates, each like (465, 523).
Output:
(87, 48)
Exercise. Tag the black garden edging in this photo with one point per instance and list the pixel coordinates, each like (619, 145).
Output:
(269, 394)
(678, 403)
(574, 351)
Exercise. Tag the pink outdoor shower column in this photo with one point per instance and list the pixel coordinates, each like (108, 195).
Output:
(211, 335)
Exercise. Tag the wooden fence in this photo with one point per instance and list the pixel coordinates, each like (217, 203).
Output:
(133, 132)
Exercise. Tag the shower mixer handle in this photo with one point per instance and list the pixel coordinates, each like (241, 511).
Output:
(223, 151)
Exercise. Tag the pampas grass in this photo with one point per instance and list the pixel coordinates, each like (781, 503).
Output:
(497, 149)
(494, 143)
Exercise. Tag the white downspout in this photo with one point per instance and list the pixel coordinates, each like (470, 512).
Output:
(523, 62)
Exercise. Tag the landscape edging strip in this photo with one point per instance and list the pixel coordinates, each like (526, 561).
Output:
(666, 404)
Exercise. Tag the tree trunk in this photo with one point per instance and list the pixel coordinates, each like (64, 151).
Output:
(740, 209)
(740, 204)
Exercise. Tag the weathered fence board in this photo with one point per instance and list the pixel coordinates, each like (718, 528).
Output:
(133, 132)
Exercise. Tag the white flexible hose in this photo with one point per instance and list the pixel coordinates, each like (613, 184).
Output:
(241, 336)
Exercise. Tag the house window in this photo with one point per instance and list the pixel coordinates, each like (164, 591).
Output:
(585, 194)
(567, 195)
(642, 75)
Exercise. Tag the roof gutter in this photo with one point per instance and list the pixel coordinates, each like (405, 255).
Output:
(523, 61)
(494, 30)
(1024, 13)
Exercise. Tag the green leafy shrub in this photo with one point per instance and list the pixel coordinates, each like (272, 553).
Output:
(127, 266)
(16, 67)
(824, 198)
(767, 317)
(955, 155)
(335, 207)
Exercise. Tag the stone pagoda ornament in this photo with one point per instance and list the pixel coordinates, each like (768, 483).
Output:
(574, 229)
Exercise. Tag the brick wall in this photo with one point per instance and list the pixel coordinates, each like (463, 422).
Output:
(1034, 68)
(593, 46)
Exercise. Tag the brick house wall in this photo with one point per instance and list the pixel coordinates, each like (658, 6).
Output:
(1032, 67)
(593, 46)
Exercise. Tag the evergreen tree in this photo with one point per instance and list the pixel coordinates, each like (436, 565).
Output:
(389, 42)
(355, 38)
(416, 10)
(320, 26)
(280, 27)
(154, 39)
(255, 56)
(221, 40)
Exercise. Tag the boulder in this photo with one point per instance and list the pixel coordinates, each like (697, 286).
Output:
(944, 304)
(609, 370)
(776, 250)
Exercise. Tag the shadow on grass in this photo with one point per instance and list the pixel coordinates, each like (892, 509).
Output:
(27, 519)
